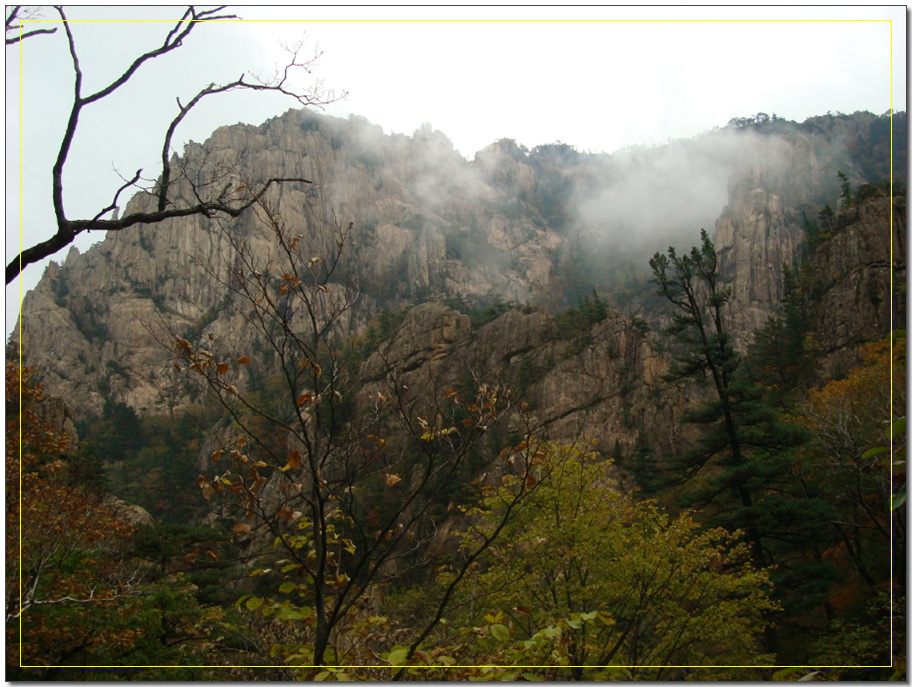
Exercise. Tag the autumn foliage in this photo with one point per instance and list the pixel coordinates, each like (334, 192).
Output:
(62, 545)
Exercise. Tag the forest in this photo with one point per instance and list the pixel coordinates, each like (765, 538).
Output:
(331, 404)
(382, 532)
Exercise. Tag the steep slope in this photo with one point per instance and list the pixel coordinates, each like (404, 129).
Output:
(544, 226)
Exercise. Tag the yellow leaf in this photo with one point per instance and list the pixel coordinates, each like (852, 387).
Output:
(392, 480)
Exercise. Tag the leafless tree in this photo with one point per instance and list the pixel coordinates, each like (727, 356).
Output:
(207, 202)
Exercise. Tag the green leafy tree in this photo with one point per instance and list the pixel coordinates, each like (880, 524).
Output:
(588, 584)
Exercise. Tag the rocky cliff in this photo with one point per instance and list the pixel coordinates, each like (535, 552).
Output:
(851, 276)
(532, 227)
(599, 385)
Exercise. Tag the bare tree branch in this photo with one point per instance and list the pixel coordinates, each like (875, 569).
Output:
(167, 208)
(11, 27)
(70, 229)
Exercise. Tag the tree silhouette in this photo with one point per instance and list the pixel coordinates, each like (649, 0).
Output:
(215, 197)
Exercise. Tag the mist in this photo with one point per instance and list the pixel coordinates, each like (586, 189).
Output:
(607, 213)
(658, 197)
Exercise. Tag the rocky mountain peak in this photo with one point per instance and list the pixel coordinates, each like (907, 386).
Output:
(546, 227)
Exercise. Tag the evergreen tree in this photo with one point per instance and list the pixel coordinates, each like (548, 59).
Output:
(741, 465)
(778, 356)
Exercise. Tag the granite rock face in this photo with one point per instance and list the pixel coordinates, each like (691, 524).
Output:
(600, 385)
(855, 271)
(540, 227)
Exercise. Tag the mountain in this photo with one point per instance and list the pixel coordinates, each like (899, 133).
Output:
(546, 226)
(346, 392)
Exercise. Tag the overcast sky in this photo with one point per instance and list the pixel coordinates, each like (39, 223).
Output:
(597, 78)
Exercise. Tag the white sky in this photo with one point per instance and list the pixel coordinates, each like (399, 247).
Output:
(599, 78)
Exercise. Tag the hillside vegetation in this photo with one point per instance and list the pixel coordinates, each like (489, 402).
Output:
(434, 419)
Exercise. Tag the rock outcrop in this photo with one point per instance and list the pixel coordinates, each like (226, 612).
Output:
(601, 385)
(545, 226)
(853, 273)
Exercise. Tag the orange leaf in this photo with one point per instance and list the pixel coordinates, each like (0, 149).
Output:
(392, 480)
(222, 368)
(243, 360)
(294, 459)
(305, 398)
(241, 528)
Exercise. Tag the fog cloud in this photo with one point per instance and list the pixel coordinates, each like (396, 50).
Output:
(651, 198)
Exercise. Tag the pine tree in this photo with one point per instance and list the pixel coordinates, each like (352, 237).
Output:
(741, 465)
